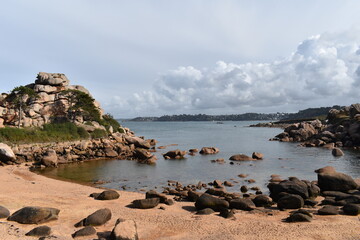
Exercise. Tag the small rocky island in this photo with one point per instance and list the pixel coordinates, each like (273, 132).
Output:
(52, 103)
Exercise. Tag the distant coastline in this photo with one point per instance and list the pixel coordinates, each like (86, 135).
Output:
(309, 113)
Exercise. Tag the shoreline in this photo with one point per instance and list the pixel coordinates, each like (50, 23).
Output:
(21, 187)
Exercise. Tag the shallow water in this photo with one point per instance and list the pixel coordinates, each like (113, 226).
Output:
(285, 159)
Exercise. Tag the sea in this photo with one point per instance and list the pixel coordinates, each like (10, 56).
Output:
(231, 137)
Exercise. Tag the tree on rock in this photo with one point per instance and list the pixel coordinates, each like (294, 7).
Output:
(19, 97)
(80, 104)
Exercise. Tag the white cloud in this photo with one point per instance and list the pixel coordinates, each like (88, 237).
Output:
(323, 69)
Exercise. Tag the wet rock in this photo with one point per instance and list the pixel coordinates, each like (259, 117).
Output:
(351, 209)
(262, 201)
(290, 201)
(34, 215)
(228, 184)
(205, 211)
(124, 230)
(208, 201)
(108, 195)
(86, 231)
(209, 150)
(337, 152)
(4, 212)
(217, 183)
(300, 216)
(328, 210)
(175, 154)
(335, 181)
(240, 157)
(41, 231)
(257, 155)
(244, 189)
(242, 204)
(146, 203)
(97, 218)
(327, 169)
(216, 191)
(243, 175)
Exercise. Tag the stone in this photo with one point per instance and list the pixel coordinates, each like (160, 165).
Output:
(6, 153)
(53, 79)
(335, 181)
(124, 230)
(41, 231)
(291, 186)
(86, 231)
(242, 204)
(328, 210)
(175, 154)
(142, 154)
(50, 159)
(193, 196)
(217, 183)
(300, 216)
(108, 195)
(228, 184)
(138, 142)
(227, 213)
(244, 189)
(34, 215)
(241, 157)
(336, 152)
(146, 203)
(262, 201)
(208, 201)
(327, 169)
(257, 155)
(97, 218)
(4, 212)
(290, 201)
(209, 150)
(351, 209)
(205, 211)
(153, 194)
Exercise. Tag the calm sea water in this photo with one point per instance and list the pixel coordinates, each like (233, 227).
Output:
(285, 159)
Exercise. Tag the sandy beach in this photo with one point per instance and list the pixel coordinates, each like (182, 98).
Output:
(19, 188)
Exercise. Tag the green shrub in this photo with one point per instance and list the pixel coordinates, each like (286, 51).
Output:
(53, 132)
(98, 133)
(108, 121)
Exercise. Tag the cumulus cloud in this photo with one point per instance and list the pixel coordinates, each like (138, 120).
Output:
(323, 69)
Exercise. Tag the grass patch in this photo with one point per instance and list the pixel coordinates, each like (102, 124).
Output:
(53, 132)
(98, 133)
(108, 121)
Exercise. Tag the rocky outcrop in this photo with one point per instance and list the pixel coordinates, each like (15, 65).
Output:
(49, 105)
(175, 154)
(335, 181)
(341, 129)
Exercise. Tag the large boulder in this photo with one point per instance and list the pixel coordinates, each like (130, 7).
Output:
(337, 152)
(351, 209)
(336, 181)
(154, 194)
(328, 210)
(241, 157)
(300, 216)
(290, 201)
(34, 215)
(146, 203)
(242, 204)
(291, 186)
(262, 201)
(138, 142)
(53, 79)
(208, 201)
(209, 150)
(124, 230)
(6, 153)
(97, 218)
(108, 195)
(50, 159)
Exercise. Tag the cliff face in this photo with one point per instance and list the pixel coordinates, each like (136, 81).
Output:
(49, 105)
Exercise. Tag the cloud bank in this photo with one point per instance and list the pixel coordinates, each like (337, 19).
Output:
(324, 70)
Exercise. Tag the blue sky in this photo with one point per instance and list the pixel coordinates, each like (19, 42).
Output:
(192, 56)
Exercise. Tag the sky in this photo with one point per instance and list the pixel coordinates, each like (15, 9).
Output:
(151, 58)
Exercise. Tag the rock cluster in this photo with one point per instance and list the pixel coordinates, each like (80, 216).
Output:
(48, 106)
(116, 146)
(341, 129)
